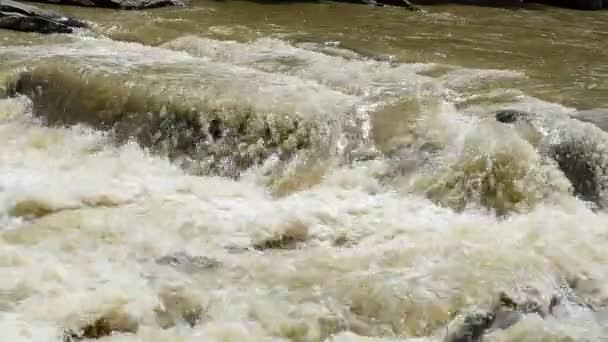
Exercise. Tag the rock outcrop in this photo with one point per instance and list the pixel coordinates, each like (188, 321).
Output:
(21, 17)
(120, 4)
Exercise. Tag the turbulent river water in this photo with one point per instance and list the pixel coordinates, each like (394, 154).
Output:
(242, 171)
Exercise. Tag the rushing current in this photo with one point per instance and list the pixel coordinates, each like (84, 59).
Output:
(243, 171)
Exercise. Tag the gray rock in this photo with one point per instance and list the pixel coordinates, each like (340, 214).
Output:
(471, 328)
(121, 4)
(573, 154)
(511, 116)
(573, 159)
(21, 17)
(505, 313)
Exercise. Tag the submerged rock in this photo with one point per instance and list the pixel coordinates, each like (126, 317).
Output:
(288, 239)
(202, 136)
(27, 18)
(177, 304)
(122, 4)
(32, 209)
(115, 321)
(511, 116)
(186, 263)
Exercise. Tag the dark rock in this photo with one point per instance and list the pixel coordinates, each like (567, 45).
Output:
(286, 240)
(507, 312)
(504, 314)
(27, 18)
(510, 116)
(572, 159)
(398, 3)
(121, 4)
(472, 327)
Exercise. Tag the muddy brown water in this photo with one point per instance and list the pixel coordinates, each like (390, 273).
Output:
(243, 171)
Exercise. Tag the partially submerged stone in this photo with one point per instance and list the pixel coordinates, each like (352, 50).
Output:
(187, 263)
(510, 115)
(470, 328)
(574, 161)
(21, 17)
(508, 310)
(578, 156)
(178, 304)
(32, 209)
(288, 239)
(115, 321)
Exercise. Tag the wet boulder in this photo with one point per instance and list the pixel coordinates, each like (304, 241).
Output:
(504, 313)
(470, 327)
(577, 165)
(21, 17)
(578, 151)
(511, 116)
(592, 5)
(120, 4)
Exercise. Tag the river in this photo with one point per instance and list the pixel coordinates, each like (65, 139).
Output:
(252, 171)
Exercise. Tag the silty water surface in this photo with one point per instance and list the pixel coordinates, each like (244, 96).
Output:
(242, 171)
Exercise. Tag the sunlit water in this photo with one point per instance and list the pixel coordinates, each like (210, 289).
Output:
(301, 172)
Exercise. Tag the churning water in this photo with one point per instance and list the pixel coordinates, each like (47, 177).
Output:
(304, 172)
